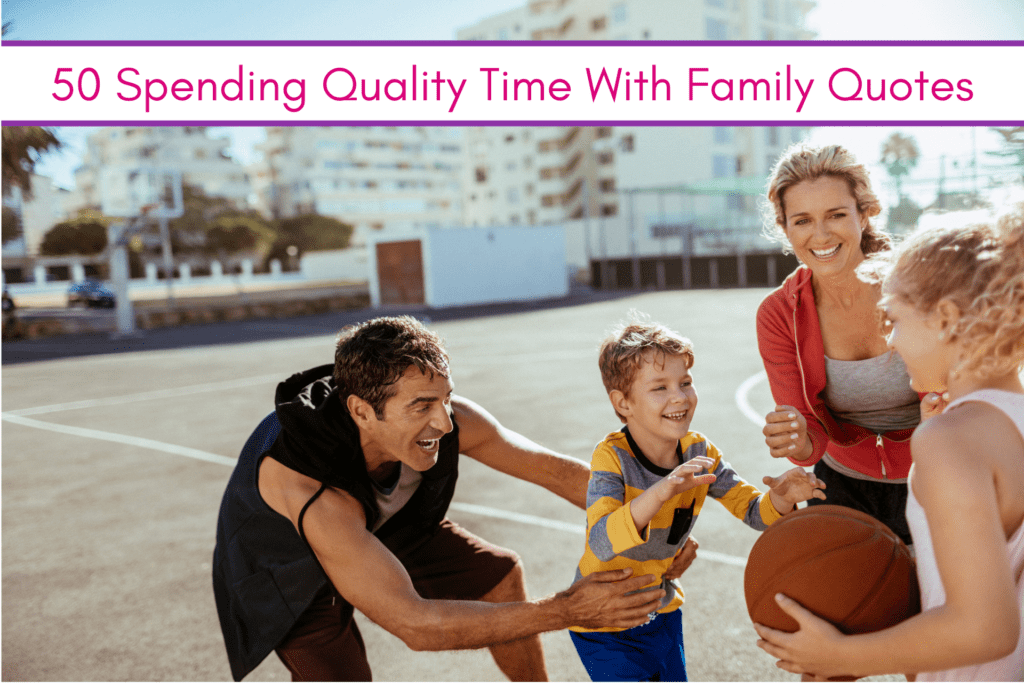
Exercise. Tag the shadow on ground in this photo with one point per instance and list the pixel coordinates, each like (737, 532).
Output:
(248, 331)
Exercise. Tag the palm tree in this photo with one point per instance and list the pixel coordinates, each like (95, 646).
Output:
(22, 146)
(899, 154)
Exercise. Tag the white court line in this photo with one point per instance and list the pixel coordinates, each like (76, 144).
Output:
(577, 529)
(148, 395)
(120, 438)
(18, 417)
(743, 390)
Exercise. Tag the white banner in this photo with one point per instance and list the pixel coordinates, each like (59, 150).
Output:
(768, 83)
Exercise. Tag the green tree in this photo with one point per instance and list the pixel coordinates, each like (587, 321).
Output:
(899, 155)
(309, 232)
(1013, 148)
(85, 234)
(22, 147)
(11, 222)
(213, 227)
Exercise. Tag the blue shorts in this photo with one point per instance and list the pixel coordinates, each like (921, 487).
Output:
(652, 652)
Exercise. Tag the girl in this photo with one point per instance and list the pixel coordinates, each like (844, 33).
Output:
(954, 299)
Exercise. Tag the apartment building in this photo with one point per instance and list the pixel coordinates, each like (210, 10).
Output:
(375, 178)
(542, 175)
(202, 160)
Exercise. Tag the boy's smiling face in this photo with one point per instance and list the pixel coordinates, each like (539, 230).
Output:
(660, 403)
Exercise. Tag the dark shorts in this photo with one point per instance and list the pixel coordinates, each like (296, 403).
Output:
(651, 652)
(325, 644)
(885, 502)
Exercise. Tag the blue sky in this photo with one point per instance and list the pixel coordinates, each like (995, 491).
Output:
(439, 20)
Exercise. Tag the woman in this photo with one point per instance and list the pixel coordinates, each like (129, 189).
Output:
(844, 402)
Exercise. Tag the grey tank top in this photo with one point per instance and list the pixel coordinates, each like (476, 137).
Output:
(391, 499)
(874, 393)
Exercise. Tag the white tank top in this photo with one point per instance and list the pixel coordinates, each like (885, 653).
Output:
(1010, 668)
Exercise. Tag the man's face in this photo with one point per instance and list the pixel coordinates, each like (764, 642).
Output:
(415, 419)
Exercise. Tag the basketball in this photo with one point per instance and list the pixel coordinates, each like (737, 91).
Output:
(841, 564)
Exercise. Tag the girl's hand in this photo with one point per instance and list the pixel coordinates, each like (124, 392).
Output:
(794, 486)
(814, 649)
(933, 404)
(785, 433)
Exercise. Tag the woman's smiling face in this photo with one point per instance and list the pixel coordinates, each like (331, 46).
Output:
(824, 225)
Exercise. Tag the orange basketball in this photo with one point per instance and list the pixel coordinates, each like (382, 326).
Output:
(841, 564)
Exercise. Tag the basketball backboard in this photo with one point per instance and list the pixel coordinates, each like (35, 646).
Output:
(130, 191)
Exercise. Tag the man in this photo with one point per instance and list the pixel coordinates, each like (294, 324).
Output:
(338, 502)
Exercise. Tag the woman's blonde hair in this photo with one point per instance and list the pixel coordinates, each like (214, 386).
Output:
(803, 162)
(980, 268)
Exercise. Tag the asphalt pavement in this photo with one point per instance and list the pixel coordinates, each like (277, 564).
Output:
(116, 453)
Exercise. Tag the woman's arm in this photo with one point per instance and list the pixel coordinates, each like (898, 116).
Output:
(778, 349)
(980, 620)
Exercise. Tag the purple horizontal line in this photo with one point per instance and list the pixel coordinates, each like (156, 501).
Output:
(512, 43)
(459, 124)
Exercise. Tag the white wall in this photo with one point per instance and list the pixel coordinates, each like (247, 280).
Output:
(485, 265)
(337, 264)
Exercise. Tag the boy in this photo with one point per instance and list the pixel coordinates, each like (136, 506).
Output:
(646, 491)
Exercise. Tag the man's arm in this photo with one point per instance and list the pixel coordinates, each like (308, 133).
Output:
(484, 439)
(375, 582)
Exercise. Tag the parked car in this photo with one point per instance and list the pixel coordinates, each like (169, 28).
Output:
(90, 293)
(8, 302)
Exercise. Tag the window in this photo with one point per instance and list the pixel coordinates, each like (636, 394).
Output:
(481, 174)
(619, 12)
(715, 29)
(723, 135)
(609, 210)
(599, 24)
(723, 166)
(604, 158)
(607, 185)
(510, 138)
(604, 132)
(627, 143)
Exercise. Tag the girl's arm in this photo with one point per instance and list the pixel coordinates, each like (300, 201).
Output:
(954, 481)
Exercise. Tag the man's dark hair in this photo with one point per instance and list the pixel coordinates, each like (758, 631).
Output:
(372, 356)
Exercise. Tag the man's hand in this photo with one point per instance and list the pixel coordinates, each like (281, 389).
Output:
(601, 600)
(683, 559)
(795, 486)
(785, 432)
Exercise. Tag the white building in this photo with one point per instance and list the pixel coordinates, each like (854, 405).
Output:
(543, 175)
(45, 209)
(373, 178)
(203, 161)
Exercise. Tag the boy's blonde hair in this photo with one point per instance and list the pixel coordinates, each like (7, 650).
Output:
(626, 348)
(980, 268)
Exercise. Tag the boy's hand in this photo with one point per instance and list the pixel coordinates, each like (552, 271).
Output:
(795, 486)
(685, 477)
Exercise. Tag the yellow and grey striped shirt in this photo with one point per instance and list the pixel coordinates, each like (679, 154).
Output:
(619, 472)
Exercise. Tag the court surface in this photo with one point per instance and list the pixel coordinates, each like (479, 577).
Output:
(114, 466)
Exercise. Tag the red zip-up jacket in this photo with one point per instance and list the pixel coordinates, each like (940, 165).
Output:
(789, 339)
